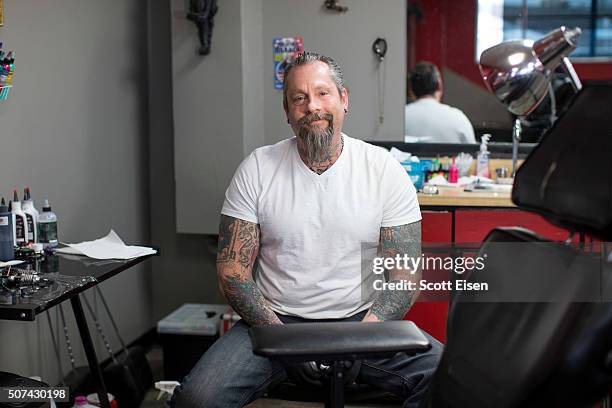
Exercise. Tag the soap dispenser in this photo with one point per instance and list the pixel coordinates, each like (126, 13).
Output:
(482, 162)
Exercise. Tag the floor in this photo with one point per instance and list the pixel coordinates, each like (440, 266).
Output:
(156, 362)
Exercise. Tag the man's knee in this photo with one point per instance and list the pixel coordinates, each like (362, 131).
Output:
(436, 349)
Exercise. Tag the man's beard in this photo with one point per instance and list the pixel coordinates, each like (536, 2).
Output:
(317, 141)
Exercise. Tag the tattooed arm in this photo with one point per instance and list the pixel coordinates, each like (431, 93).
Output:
(238, 248)
(393, 304)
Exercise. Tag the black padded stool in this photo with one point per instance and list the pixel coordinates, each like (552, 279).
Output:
(335, 344)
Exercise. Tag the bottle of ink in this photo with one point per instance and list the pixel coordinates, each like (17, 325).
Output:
(31, 216)
(7, 252)
(47, 227)
(20, 227)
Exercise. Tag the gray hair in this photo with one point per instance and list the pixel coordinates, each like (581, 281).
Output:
(308, 58)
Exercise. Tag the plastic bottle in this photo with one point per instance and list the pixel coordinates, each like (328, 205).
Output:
(31, 216)
(7, 251)
(20, 225)
(27, 192)
(453, 173)
(95, 401)
(482, 161)
(81, 401)
(47, 227)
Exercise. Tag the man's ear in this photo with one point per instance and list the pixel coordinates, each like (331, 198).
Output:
(286, 109)
(345, 98)
(440, 90)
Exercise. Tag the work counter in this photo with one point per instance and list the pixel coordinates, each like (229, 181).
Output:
(454, 215)
(455, 197)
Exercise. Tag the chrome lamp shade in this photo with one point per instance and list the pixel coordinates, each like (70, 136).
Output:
(518, 72)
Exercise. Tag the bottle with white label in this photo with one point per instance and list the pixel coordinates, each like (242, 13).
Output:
(20, 226)
(31, 216)
(7, 251)
(482, 160)
(47, 227)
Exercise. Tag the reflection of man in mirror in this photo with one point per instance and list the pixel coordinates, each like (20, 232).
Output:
(429, 120)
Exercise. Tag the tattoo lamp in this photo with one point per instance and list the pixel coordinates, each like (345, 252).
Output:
(519, 73)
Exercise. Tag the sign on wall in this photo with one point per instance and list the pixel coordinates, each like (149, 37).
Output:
(285, 51)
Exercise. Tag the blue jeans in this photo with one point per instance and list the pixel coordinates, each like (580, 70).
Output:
(229, 375)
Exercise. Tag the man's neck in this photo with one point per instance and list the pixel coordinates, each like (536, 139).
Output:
(320, 167)
(430, 97)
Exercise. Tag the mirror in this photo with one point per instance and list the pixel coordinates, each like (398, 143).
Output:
(450, 35)
(443, 33)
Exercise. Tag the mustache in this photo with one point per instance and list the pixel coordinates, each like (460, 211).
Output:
(313, 117)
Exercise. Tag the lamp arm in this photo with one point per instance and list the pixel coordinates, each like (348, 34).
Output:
(571, 73)
(517, 129)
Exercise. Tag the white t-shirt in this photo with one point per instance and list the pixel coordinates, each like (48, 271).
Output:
(441, 123)
(314, 227)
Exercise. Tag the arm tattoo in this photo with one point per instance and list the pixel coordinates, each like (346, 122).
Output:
(400, 240)
(246, 299)
(238, 248)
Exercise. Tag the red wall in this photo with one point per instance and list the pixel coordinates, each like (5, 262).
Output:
(446, 36)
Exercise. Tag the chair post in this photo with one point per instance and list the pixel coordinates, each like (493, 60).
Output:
(336, 387)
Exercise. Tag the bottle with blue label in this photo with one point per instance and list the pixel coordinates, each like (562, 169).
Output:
(7, 251)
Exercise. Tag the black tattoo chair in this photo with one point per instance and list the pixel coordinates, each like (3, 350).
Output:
(545, 339)
(541, 336)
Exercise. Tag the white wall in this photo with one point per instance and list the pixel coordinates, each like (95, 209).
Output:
(185, 272)
(208, 121)
(74, 130)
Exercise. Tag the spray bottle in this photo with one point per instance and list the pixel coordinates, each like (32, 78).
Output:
(7, 252)
(47, 227)
(31, 216)
(482, 162)
(20, 226)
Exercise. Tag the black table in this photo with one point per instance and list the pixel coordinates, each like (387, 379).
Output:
(70, 275)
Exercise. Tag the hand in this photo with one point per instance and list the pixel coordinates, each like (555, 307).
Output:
(306, 373)
(370, 318)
